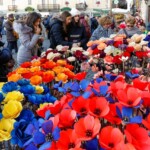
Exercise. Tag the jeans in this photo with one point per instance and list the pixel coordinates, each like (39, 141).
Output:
(12, 45)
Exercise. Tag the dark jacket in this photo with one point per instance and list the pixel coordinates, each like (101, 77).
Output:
(77, 34)
(57, 34)
(10, 31)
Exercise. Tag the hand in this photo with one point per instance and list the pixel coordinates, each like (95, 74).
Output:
(37, 29)
(41, 39)
(74, 45)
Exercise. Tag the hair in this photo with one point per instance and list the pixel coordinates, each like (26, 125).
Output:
(130, 20)
(63, 17)
(76, 23)
(105, 20)
(32, 18)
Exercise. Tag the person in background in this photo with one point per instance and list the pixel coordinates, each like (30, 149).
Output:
(29, 31)
(76, 32)
(11, 35)
(131, 28)
(59, 29)
(94, 24)
(104, 28)
(84, 20)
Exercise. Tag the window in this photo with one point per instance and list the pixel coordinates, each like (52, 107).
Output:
(1, 2)
(29, 2)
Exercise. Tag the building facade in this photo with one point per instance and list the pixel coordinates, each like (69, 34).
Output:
(52, 5)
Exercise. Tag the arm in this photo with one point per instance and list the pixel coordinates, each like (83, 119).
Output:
(60, 39)
(8, 26)
(94, 36)
(27, 41)
(84, 37)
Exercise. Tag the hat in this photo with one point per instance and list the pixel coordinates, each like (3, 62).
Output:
(74, 12)
(5, 55)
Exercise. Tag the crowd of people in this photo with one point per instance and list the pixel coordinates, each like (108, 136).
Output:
(73, 29)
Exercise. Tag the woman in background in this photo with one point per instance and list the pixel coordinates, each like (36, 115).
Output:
(76, 32)
(103, 30)
(29, 31)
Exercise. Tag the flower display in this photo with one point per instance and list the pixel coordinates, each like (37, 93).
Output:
(71, 99)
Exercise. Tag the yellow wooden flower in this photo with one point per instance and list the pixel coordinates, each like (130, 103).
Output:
(1, 85)
(6, 126)
(12, 109)
(61, 77)
(15, 96)
(39, 89)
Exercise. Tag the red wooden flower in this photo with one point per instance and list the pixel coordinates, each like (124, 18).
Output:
(98, 106)
(68, 140)
(129, 97)
(67, 118)
(110, 137)
(87, 128)
(81, 105)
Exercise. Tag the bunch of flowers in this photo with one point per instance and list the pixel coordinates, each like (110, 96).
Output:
(43, 70)
(102, 114)
(19, 100)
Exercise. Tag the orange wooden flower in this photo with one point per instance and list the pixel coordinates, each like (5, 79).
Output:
(70, 67)
(49, 65)
(36, 63)
(22, 70)
(36, 80)
(61, 77)
(14, 77)
(35, 69)
(48, 76)
(58, 69)
(61, 62)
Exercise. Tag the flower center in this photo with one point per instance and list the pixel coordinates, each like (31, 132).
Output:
(82, 110)
(111, 145)
(49, 137)
(130, 102)
(97, 111)
(126, 119)
(71, 145)
(88, 133)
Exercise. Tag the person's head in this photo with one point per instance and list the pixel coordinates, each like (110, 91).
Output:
(130, 22)
(105, 22)
(66, 17)
(11, 17)
(75, 15)
(33, 19)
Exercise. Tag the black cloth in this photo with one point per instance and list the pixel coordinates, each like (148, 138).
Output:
(77, 34)
(57, 34)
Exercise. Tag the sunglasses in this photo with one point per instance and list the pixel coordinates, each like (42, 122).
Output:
(130, 26)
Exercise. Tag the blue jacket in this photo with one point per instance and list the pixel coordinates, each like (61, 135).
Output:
(101, 32)
(77, 34)
(57, 34)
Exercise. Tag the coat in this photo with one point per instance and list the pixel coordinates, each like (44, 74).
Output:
(57, 34)
(131, 32)
(10, 31)
(101, 32)
(77, 34)
(28, 41)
